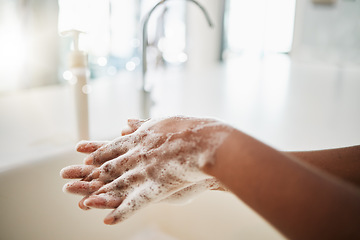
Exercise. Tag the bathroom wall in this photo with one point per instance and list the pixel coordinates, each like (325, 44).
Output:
(28, 44)
(204, 42)
(328, 32)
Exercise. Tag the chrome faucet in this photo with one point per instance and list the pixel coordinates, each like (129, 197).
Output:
(146, 101)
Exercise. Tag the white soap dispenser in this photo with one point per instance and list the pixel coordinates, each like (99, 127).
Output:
(77, 63)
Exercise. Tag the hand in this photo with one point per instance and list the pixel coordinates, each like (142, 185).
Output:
(156, 160)
(180, 197)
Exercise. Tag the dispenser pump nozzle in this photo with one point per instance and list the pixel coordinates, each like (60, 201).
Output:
(77, 57)
(75, 34)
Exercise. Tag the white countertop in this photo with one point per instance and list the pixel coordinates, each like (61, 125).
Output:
(287, 104)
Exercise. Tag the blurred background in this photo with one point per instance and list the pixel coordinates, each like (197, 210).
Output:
(284, 71)
(33, 54)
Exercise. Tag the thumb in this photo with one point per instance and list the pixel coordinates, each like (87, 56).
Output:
(133, 125)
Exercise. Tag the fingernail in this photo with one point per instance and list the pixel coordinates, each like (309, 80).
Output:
(133, 121)
(65, 188)
(63, 172)
(82, 205)
(69, 171)
(87, 203)
(110, 220)
(80, 144)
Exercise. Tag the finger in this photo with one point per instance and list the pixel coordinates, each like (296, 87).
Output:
(136, 123)
(126, 131)
(94, 175)
(186, 194)
(82, 187)
(82, 205)
(135, 201)
(133, 125)
(115, 168)
(76, 171)
(90, 146)
(121, 186)
(110, 151)
(111, 195)
(103, 201)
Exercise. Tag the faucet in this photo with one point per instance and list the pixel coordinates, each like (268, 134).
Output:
(145, 95)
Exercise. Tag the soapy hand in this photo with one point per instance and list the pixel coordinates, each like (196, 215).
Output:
(155, 160)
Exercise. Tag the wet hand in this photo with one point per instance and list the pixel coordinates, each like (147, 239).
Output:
(154, 161)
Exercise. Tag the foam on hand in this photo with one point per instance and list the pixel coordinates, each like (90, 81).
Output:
(160, 161)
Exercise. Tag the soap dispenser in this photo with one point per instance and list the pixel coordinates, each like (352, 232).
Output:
(77, 63)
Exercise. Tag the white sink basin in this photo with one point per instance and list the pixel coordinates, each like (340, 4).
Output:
(33, 206)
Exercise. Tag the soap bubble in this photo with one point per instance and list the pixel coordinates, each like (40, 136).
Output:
(135, 43)
(87, 89)
(102, 61)
(111, 70)
(73, 80)
(130, 66)
(182, 57)
(67, 75)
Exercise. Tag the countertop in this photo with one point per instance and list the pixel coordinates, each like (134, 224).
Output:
(287, 104)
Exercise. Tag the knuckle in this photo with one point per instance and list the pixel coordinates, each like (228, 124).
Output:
(143, 157)
(120, 185)
(108, 168)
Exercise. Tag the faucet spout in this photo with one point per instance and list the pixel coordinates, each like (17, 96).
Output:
(145, 95)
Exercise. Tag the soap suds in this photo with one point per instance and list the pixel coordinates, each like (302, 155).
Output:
(161, 160)
(189, 192)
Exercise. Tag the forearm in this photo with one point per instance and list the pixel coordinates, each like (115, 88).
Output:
(298, 200)
(341, 162)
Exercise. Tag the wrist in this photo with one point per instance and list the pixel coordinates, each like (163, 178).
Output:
(225, 153)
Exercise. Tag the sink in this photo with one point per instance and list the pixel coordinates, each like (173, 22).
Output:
(33, 206)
